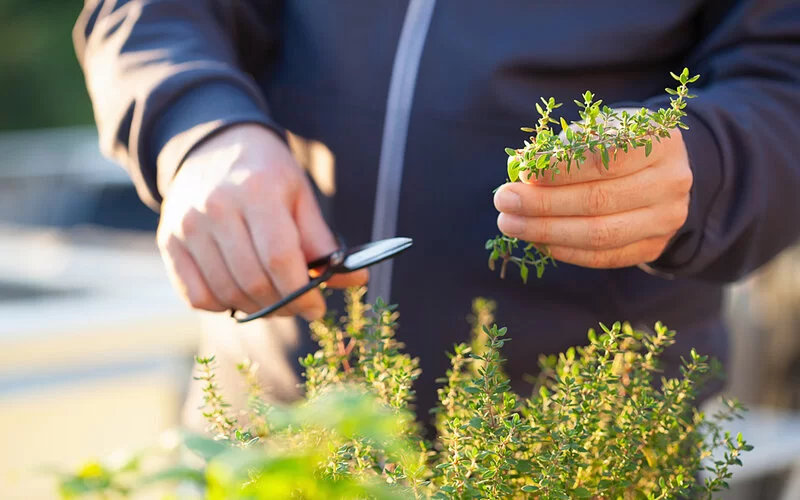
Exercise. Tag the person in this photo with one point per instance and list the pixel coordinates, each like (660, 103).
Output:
(223, 112)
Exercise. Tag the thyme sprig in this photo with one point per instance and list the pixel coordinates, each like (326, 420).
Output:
(600, 130)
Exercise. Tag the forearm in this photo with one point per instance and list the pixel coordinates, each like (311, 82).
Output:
(743, 146)
(162, 76)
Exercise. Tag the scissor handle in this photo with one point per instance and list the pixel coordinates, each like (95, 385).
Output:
(313, 283)
(331, 263)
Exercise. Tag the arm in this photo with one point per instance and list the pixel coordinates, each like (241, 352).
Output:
(170, 88)
(714, 202)
(163, 75)
(743, 142)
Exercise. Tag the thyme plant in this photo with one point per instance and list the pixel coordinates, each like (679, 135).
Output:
(600, 130)
(602, 423)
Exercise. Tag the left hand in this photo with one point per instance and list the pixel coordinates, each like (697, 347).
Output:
(598, 218)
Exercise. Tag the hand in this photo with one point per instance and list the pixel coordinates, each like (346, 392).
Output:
(598, 218)
(240, 223)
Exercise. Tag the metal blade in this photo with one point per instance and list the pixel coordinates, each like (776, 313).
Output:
(372, 253)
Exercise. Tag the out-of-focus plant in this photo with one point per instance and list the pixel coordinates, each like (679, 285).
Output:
(42, 85)
(602, 423)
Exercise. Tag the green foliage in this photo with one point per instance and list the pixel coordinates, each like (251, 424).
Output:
(600, 130)
(42, 84)
(602, 423)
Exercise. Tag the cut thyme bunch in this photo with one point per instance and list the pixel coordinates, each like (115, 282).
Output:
(600, 130)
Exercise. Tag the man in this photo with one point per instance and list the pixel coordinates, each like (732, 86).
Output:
(410, 105)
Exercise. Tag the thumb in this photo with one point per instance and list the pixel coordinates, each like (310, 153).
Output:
(317, 240)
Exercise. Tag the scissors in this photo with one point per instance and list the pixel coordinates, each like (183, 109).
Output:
(343, 260)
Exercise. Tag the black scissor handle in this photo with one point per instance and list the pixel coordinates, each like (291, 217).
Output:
(313, 283)
(332, 264)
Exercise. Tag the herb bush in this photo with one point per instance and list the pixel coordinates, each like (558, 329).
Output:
(603, 421)
(601, 424)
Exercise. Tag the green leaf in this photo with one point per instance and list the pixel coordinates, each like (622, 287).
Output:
(513, 169)
(648, 148)
(511, 152)
(204, 447)
(604, 155)
(523, 272)
(542, 162)
(581, 493)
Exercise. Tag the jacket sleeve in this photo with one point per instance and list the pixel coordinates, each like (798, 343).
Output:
(743, 141)
(163, 75)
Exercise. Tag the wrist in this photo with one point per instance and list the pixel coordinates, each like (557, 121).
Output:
(199, 115)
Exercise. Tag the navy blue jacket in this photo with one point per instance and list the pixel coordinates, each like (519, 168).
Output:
(411, 96)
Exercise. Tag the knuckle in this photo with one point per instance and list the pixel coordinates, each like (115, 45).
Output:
(601, 235)
(201, 299)
(684, 181)
(191, 222)
(258, 287)
(678, 215)
(278, 259)
(217, 204)
(258, 183)
(597, 199)
(231, 295)
(276, 180)
(541, 230)
(542, 204)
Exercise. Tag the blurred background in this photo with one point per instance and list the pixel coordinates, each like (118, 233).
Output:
(95, 348)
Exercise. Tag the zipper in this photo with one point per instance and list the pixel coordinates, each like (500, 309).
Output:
(395, 131)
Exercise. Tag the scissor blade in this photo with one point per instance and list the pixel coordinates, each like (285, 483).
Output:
(372, 253)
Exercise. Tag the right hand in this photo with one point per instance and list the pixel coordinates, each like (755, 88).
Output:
(239, 224)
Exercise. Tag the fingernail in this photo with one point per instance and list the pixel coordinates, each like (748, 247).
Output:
(511, 225)
(508, 201)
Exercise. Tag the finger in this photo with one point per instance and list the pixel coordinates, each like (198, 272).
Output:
(620, 164)
(594, 233)
(317, 240)
(634, 254)
(208, 256)
(356, 278)
(185, 276)
(600, 197)
(237, 249)
(277, 243)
